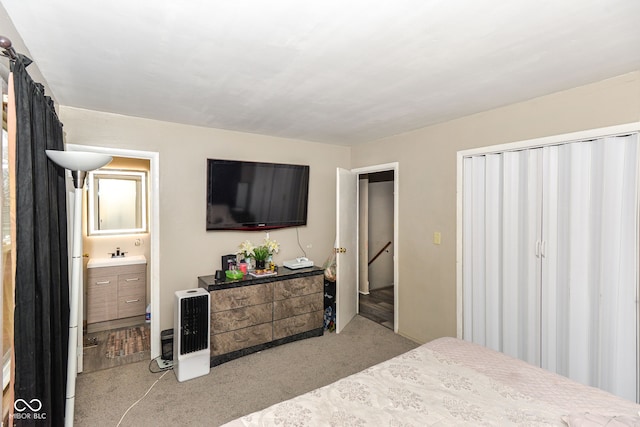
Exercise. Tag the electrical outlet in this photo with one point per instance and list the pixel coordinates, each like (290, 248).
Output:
(437, 238)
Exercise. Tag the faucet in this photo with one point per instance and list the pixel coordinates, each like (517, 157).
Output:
(117, 253)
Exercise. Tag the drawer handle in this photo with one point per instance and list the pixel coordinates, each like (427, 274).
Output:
(242, 319)
(239, 339)
(241, 298)
(299, 325)
(135, 279)
(132, 300)
(298, 288)
(106, 282)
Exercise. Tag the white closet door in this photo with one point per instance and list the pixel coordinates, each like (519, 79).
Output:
(550, 258)
(589, 272)
(522, 192)
(501, 227)
(483, 271)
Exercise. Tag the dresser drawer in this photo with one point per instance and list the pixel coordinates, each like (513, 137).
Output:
(227, 299)
(297, 324)
(223, 321)
(297, 287)
(241, 338)
(299, 305)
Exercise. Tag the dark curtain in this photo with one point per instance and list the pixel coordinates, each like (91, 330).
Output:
(42, 279)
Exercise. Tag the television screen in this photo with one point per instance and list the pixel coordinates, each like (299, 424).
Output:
(251, 195)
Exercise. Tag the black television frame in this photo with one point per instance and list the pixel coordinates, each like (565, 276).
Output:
(258, 225)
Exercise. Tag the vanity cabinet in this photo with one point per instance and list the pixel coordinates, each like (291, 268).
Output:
(116, 292)
(254, 314)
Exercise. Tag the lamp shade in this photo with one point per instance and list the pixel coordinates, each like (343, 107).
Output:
(79, 160)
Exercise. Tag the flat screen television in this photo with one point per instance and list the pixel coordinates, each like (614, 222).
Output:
(256, 196)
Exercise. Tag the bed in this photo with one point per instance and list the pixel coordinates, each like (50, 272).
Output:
(450, 382)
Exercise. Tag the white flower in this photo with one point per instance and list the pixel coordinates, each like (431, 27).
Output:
(272, 245)
(246, 248)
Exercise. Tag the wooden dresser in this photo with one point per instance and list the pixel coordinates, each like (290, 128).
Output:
(254, 314)
(116, 292)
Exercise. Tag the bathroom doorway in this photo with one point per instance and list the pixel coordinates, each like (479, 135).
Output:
(116, 245)
(121, 265)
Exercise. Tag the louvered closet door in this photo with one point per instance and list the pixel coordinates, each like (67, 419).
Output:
(549, 258)
(589, 286)
(501, 274)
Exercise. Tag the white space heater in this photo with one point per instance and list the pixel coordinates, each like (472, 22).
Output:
(191, 356)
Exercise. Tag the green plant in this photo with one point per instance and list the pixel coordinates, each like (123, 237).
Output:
(261, 253)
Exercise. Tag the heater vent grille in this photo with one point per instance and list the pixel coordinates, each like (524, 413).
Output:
(194, 324)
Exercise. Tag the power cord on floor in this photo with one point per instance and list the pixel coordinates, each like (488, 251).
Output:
(139, 400)
(168, 368)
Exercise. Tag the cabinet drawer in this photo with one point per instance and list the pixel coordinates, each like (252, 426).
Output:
(120, 269)
(131, 305)
(241, 338)
(128, 279)
(297, 287)
(129, 284)
(297, 324)
(102, 282)
(299, 305)
(223, 321)
(227, 299)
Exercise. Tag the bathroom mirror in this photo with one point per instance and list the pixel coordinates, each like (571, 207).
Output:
(117, 202)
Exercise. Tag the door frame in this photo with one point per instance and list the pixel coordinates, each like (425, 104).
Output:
(395, 167)
(154, 229)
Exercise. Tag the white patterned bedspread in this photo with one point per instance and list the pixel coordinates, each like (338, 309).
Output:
(448, 382)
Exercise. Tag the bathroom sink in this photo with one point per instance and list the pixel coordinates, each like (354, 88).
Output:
(114, 262)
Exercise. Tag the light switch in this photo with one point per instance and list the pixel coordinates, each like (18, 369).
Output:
(437, 238)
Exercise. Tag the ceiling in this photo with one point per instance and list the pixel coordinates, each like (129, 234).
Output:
(332, 71)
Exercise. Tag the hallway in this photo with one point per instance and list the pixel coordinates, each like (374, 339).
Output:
(378, 306)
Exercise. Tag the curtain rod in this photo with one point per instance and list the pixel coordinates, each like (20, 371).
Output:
(7, 50)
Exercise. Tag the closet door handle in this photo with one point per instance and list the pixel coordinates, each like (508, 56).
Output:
(543, 250)
(538, 248)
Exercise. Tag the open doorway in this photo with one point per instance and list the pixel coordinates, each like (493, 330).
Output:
(116, 240)
(134, 243)
(376, 245)
(351, 253)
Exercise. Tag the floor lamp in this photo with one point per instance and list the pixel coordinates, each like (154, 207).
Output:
(79, 163)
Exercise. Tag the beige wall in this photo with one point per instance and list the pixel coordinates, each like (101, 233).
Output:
(427, 180)
(187, 250)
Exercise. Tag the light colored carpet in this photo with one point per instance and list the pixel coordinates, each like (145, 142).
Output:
(234, 388)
